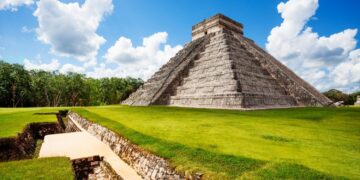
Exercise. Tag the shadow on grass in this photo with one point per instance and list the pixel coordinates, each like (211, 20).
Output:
(289, 171)
(208, 162)
(276, 138)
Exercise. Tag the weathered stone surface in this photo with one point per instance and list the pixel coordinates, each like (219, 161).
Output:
(148, 165)
(357, 101)
(92, 168)
(221, 68)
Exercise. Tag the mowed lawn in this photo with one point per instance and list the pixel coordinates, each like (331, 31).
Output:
(44, 168)
(14, 120)
(299, 143)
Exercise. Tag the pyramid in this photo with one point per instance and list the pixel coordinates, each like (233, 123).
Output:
(220, 68)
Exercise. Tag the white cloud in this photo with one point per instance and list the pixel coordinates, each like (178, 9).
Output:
(141, 61)
(52, 66)
(26, 29)
(14, 4)
(323, 61)
(70, 28)
(66, 68)
(349, 71)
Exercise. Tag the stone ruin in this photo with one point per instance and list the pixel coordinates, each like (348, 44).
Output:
(221, 68)
(357, 100)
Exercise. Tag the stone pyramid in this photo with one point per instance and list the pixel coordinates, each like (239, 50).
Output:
(220, 68)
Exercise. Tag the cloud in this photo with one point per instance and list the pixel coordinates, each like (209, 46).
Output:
(26, 29)
(141, 61)
(318, 59)
(52, 66)
(70, 28)
(14, 4)
(349, 71)
(67, 68)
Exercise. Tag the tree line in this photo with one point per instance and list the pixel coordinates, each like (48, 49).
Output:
(22, 88)
(336, 95)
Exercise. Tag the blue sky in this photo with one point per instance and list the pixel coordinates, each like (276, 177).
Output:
(168, 23)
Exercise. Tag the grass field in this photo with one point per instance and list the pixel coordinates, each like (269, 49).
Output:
(13, 120)
(301, 143)
(44, 168)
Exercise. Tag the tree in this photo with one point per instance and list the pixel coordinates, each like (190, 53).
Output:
(336, 95)
(14, 85)
(19, 87)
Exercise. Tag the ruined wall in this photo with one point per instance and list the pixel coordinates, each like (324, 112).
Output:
(23, 146)
(93, 167)
(147, 165)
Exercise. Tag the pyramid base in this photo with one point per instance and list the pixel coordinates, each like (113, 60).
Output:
(233, 101)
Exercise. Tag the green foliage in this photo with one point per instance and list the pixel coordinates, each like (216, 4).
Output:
(19, 87)
(43, 168)
(229, 144)
(14, 85)
(336, 95)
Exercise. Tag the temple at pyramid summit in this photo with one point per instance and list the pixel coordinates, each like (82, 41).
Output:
(221, 68)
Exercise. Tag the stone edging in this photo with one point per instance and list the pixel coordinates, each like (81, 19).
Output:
(147, 165)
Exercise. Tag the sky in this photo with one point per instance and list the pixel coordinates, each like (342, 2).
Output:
(317, 39)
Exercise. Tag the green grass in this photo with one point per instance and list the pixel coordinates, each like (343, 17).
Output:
(299, 143)
(13, 120)
(44, 168)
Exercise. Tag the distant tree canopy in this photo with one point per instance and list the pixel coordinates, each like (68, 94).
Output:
(336, 95)
(22, 88)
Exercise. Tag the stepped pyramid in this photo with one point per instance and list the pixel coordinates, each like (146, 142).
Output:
(220, 68)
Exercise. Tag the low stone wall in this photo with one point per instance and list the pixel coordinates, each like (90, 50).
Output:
(93, 168)
(71, 126)
(148, 165)
(23, 146)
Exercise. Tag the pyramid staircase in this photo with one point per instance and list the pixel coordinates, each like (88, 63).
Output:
(220, 68)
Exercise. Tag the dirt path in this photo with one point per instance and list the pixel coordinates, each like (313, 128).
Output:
(82, 144)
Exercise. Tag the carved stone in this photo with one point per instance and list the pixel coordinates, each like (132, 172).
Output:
(220, 68)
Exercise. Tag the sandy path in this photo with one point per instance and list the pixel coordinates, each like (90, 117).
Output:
(83, 144)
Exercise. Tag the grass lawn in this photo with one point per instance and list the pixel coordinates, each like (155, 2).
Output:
(13, 120)
(43, 168)
(300, 143)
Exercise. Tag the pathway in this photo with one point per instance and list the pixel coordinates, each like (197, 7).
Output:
(82, 144)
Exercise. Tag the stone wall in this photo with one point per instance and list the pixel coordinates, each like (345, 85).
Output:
(23, 146)
(357, 100)
(71, 126)
(148, 165)
(93, 167)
